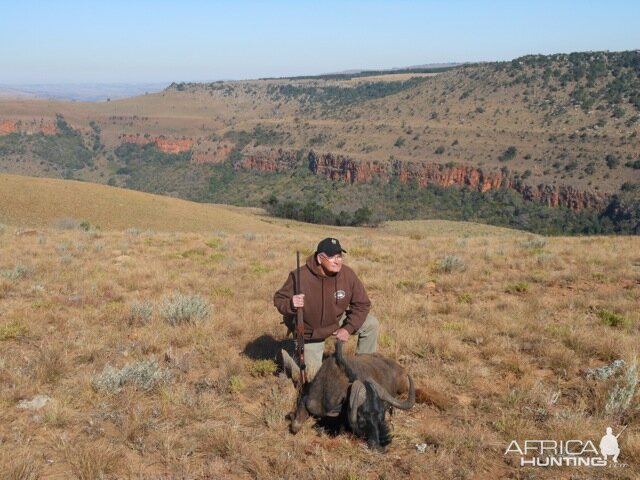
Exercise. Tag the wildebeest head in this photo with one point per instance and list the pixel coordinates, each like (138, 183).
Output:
(368, 402)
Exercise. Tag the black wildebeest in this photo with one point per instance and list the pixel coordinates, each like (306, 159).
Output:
(362, 386)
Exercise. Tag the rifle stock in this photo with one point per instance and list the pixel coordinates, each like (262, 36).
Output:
(300, 326)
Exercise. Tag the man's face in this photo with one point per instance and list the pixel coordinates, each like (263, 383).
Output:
(330, 264)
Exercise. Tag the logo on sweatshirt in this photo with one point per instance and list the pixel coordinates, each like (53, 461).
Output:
(340, 294)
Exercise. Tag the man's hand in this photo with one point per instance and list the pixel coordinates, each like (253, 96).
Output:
(298, 301)
(341, 334)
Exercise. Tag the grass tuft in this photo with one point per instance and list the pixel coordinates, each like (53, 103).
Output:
(21, 468)
(519, 287)
(89, 461)
(140, 313)
(12, 330)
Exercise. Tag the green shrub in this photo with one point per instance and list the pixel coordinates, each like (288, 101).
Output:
(15, 329)
(465, 298)
(635, 165)
(181, 309)
(520, 287)
(612, 319)
(262, 368)
(235, 384)
(612, 161)
(509, 154)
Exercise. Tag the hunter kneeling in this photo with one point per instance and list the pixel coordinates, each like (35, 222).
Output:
(334, 302)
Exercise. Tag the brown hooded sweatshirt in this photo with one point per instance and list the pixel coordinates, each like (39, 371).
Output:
(326, 298)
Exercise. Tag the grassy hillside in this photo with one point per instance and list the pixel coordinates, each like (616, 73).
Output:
(505, 324)
(30, 202)
(566, 120)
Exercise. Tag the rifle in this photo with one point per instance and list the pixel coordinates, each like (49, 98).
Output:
(300, 326)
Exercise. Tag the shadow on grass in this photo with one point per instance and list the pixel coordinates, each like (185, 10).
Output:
(266, 347)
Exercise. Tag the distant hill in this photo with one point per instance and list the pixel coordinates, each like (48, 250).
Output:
(82, 92)
(544, 143)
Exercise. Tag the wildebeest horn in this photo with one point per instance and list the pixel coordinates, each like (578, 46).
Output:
(391, 400)
(356, 399)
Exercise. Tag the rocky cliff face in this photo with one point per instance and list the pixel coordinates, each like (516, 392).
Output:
(271, 160)
(215, 154)
(30, 128)
(342, 168)
(166, 145)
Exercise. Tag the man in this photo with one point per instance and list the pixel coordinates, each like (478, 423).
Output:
(609, 445)
(334, 300)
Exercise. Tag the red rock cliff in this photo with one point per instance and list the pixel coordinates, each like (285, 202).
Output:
(166, 145)
(30, 128)
(342, 168)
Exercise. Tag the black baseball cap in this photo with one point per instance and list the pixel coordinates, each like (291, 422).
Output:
(330, 246)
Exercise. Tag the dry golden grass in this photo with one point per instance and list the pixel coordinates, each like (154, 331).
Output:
(511, 359)
(33, 202)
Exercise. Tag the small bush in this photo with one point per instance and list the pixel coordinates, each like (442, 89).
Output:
(450, 264)
(520, 287)
(18, 272)
(259, 267)
(235, 384)
(509, 154)
(262, 368)
(181, 309)
(140, 313)
(143, 375)
(620, 397)
(3, 228)
(612, 319)
(612, 161)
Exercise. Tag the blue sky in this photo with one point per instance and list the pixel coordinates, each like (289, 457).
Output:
(192, 40)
